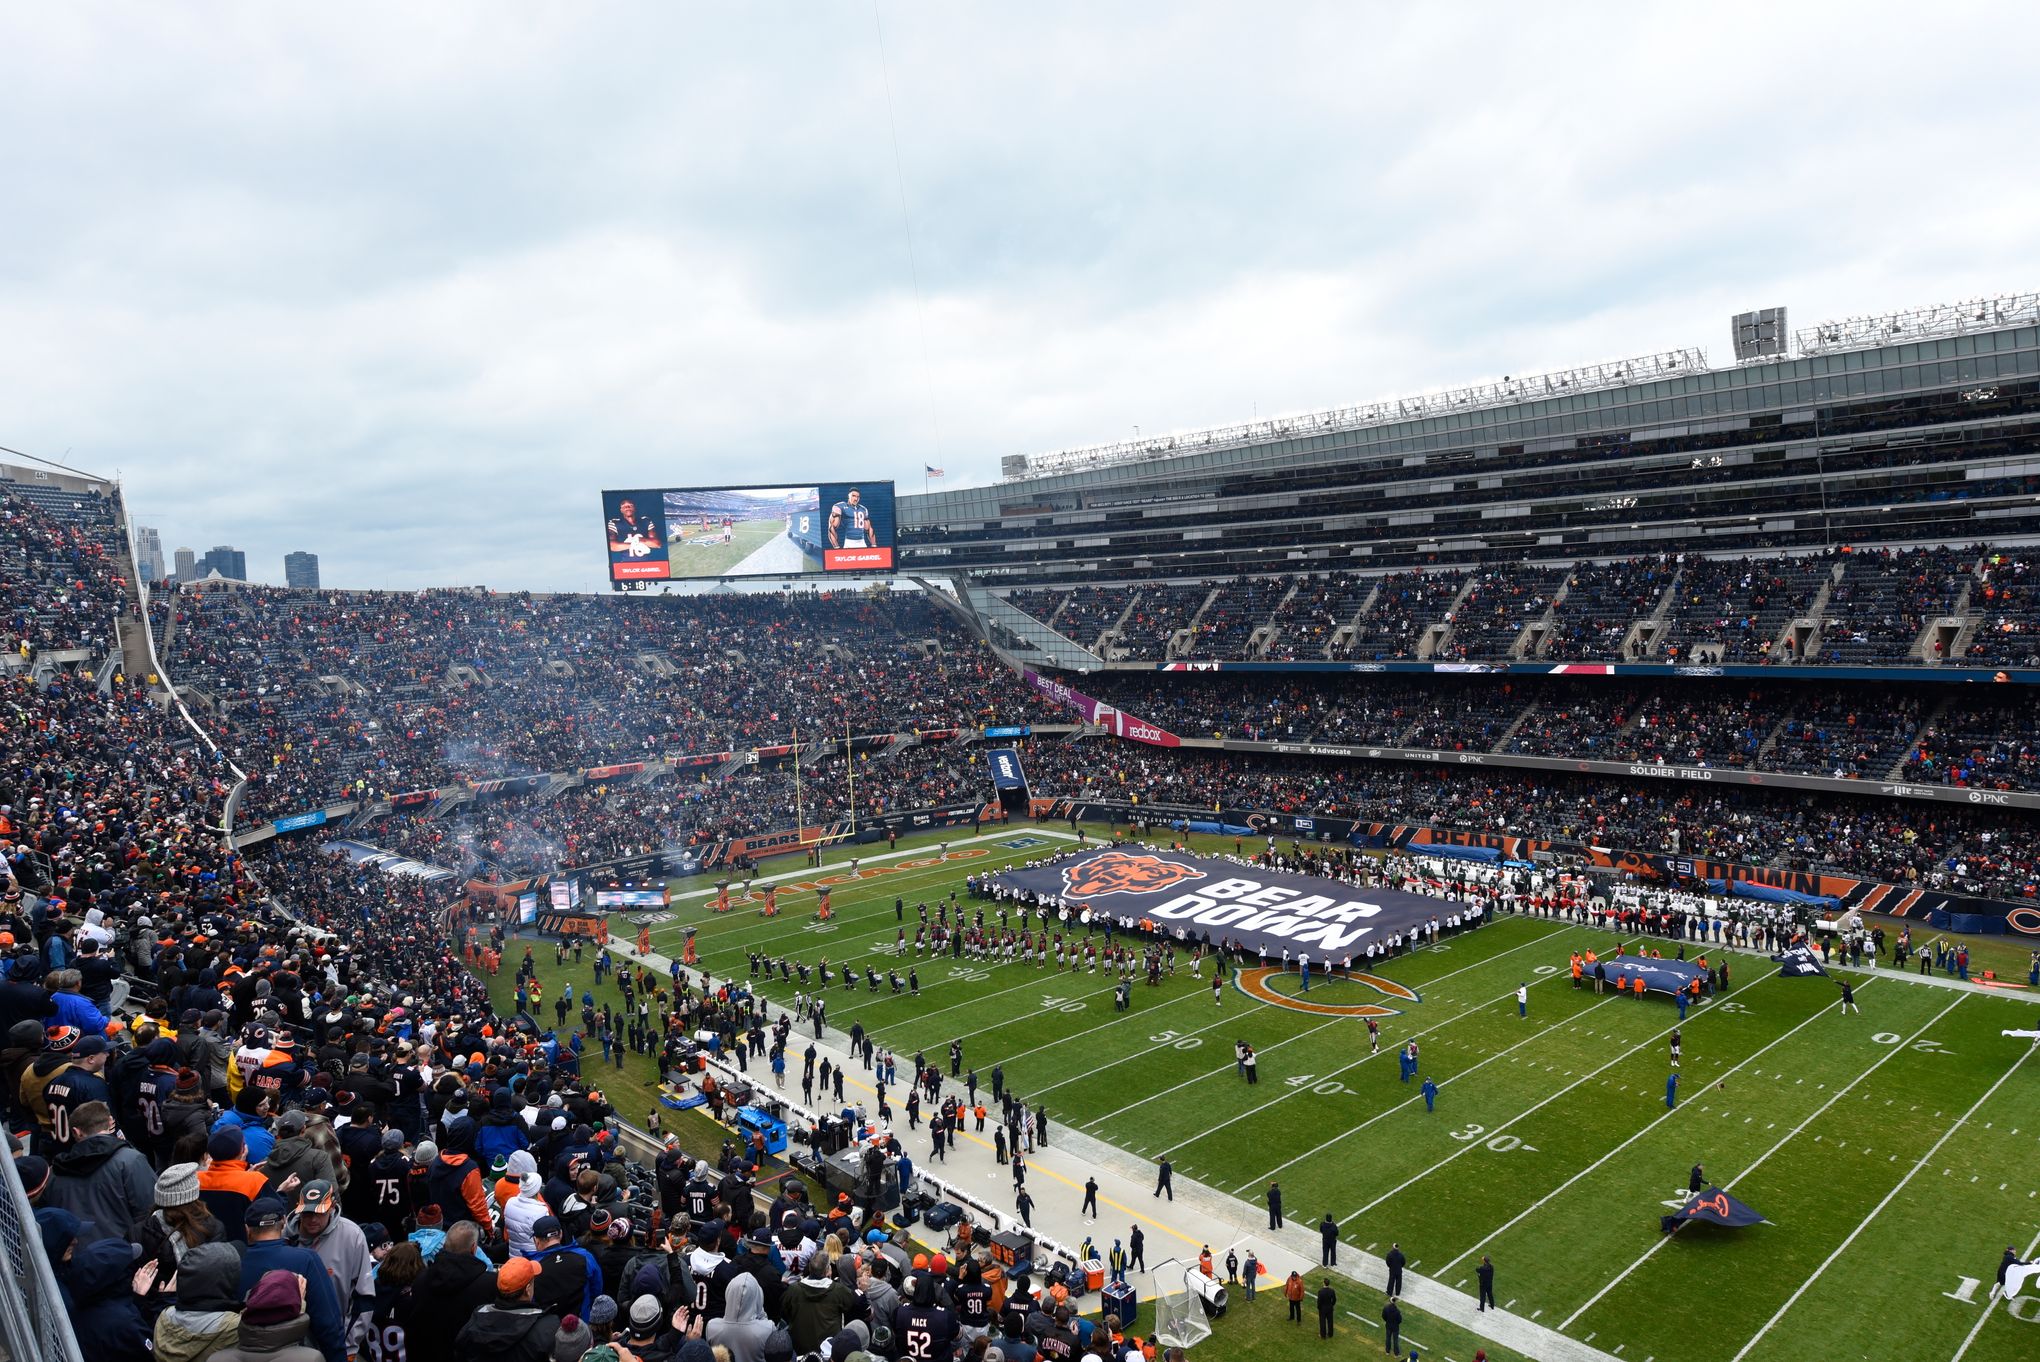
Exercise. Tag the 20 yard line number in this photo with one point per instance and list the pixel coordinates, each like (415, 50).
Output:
(1501, 1144)
(1930, 1047)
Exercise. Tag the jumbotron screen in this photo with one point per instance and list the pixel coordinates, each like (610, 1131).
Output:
(677, 534)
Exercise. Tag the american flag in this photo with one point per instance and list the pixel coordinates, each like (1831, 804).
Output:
(930, 470)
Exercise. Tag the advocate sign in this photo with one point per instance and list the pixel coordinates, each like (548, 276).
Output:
(1196, 896)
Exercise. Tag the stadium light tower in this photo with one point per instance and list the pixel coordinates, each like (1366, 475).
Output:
(1920, 323)
(1509, 390)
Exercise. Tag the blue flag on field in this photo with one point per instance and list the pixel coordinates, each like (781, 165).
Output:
(1799, 961)
(1718, 1207)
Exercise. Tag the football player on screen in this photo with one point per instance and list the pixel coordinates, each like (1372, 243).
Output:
(850, 524)
(630, 534)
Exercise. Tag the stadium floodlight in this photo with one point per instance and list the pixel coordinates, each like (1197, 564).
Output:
(1509, 390)
(1920, 323)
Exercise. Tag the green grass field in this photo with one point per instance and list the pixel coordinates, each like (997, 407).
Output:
(713, 560)
(1896, 1153)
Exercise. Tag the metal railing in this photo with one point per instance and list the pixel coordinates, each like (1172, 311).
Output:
(33, 1324)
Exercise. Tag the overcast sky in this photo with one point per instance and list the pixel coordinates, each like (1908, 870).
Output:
(407, 285)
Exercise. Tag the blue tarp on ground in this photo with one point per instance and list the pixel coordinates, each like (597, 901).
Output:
(1445, 850)
(1659, 976)
(1213, 828)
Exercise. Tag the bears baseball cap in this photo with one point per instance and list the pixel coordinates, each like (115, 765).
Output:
(317, 1197)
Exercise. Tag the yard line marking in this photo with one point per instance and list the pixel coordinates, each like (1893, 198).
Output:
(1472, 1145)
(1842, 1247)
(1348, 1068)
(1545, 1199)
(1387, 1111)
(1977, 1328)
(1100, 1121)
(1881, 1061)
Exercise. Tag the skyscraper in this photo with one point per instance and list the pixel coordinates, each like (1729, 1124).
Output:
(301, 569)
(148, 553)
(187, 565)
(226, 560)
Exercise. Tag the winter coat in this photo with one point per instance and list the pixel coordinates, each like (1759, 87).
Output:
(500, 1333)
(814, 1308)
(298, 1155)
(272, 1343)
(455, 1186)
(105, 1315)
(207, 1314)
(197, 1336)
(104, 1180)
(452, 1287)
(328, 1329)
(499, 1135)
(521, 1212)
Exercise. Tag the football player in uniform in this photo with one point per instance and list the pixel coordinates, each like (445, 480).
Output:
(632, 535)
(850, 524)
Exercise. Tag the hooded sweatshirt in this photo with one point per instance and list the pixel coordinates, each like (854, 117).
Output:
(455, 1186)
(343, 1248)
(106, 1316)
(297, 1154)
(207, 1314)
(743, 1327)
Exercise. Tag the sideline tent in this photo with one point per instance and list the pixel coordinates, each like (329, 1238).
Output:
(1715, 1207)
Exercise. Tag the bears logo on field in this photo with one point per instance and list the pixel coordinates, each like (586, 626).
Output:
(1124, 872)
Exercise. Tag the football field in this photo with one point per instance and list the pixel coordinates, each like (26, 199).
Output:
(1895, 1153)
(711, 557)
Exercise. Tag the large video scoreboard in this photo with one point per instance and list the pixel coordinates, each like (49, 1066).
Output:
(678, 534)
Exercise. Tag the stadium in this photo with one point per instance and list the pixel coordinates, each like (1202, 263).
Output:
(1448, 723)
(1260, 683)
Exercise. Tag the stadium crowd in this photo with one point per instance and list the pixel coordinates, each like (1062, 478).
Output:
(58, 589)
(247, 1137)
(1961, 849)
(1711, 610)
(325, 696)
